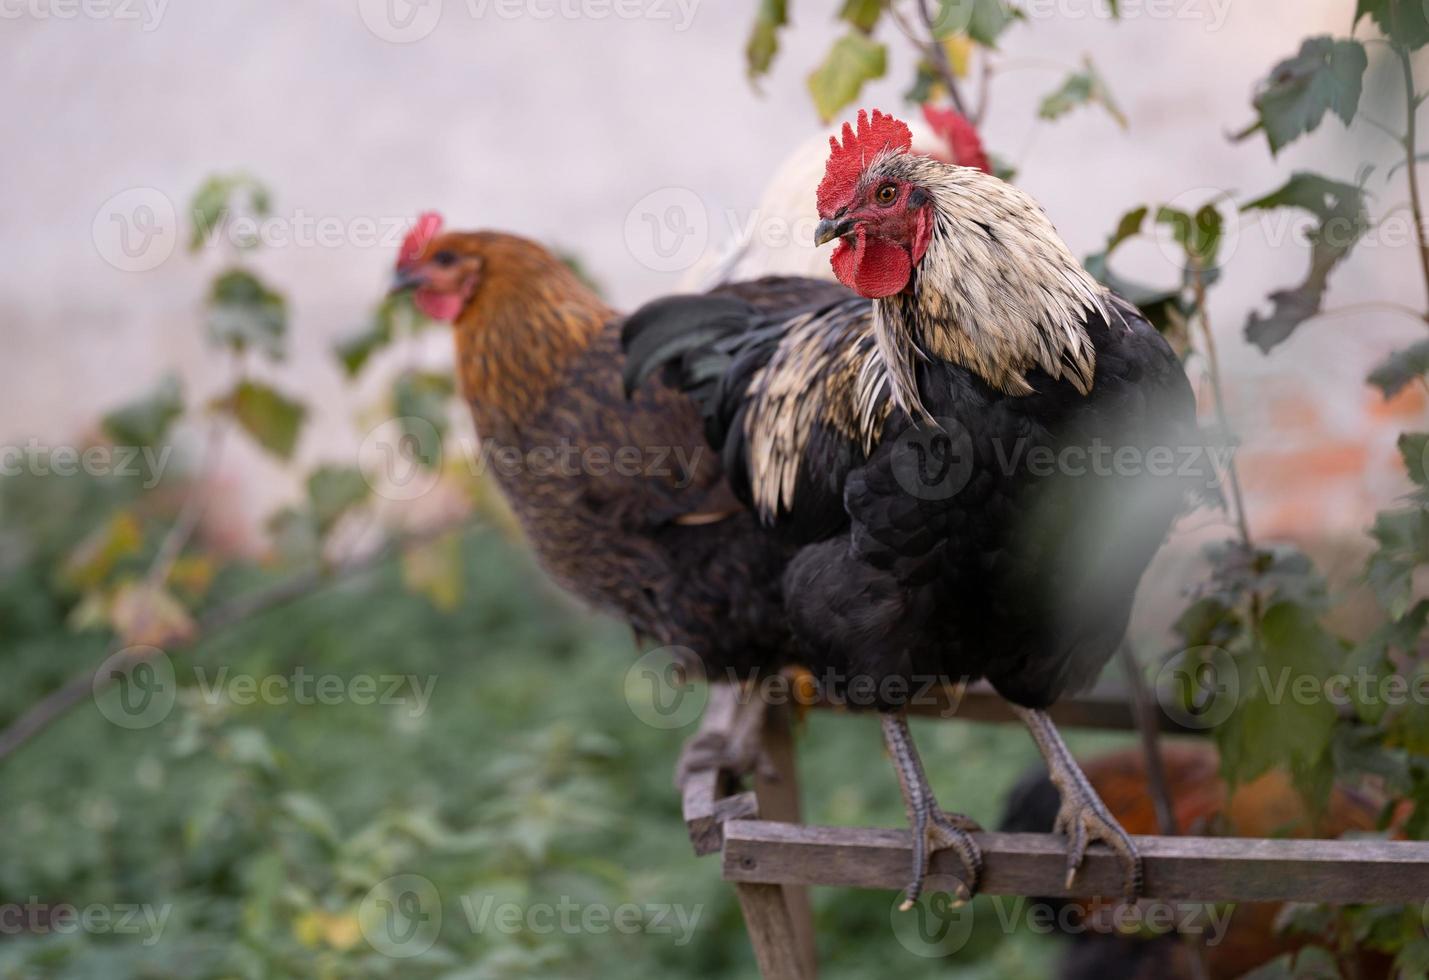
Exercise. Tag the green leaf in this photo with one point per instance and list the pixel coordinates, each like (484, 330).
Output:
(1402, 537)
(1082, 88)
(1412, 446)
(216, 199)
(145, 421)
(1164, 307)
(1327, 75)
(925, 80)
(982, 20)
(1199, 234)
(862, 14)
(1284, 719)
(427, 396)
(1340, 209)
(272, 419)
(333, 491)
(90, 563)
(434, 570)
(1405, 22)
(853, 60)
(1208, 622)
(244, 313)
(1400, 368)
(763, 42)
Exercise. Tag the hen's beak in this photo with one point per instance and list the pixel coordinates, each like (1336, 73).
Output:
(405, 279)
(828, 230)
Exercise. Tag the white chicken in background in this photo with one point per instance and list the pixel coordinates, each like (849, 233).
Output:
(779, 240)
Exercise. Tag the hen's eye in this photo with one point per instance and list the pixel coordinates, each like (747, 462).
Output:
(886, 194)
(444, 258)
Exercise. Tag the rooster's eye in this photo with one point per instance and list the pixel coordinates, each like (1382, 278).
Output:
(444, 258)
(886, 194)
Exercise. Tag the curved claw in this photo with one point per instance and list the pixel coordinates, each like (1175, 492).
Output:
(1082, 821)
(935, 831)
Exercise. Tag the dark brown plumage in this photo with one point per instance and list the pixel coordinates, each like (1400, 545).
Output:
(623, 501)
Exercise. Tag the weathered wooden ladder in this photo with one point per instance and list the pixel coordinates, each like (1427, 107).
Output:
(772, 858)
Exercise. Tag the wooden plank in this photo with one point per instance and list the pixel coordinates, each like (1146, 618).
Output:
(766, 917)
(1108, 709)
(708, 808)
(1186, 869)
(704, 798)
(778, 794)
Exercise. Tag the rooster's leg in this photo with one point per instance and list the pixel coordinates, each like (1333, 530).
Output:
(1083, 816)
(932, 828)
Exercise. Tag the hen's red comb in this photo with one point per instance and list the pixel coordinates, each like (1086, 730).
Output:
(846, 162)
(428, 226)
(964, 143)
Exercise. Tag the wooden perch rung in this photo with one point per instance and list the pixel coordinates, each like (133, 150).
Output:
(1181, 869)
(774, 859)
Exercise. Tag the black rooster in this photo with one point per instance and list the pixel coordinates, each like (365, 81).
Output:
(975, 468)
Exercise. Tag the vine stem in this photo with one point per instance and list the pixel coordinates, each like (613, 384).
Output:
(933, 50)
(1219, 397)
(1410, 147)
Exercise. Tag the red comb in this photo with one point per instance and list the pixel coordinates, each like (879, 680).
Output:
(428, 226)
(846, 162)
(964, 143)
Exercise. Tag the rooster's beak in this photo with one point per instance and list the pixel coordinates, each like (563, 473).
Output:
(406, 279)
(827, 230)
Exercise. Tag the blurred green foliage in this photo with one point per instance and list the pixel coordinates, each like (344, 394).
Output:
(254, 830)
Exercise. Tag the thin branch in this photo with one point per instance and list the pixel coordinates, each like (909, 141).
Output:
(1410, 148)
(196, 498)
(933, 50)
(984, 90)
(1372, 307)
(1198, 280)
(81, 687)
(1388, 130)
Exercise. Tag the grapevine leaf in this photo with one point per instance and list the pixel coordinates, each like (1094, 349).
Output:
(853, 60)
(244, 313)
(1405, 22)
(1081, 88)
(862, 14)
(1327, 75)
(1340, 209)
(333, 491)
(763, 42)
(1400, 368)
(271, 418)
(146, 420)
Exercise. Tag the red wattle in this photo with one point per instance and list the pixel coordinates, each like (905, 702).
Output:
(438, 306)
(872, 267)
